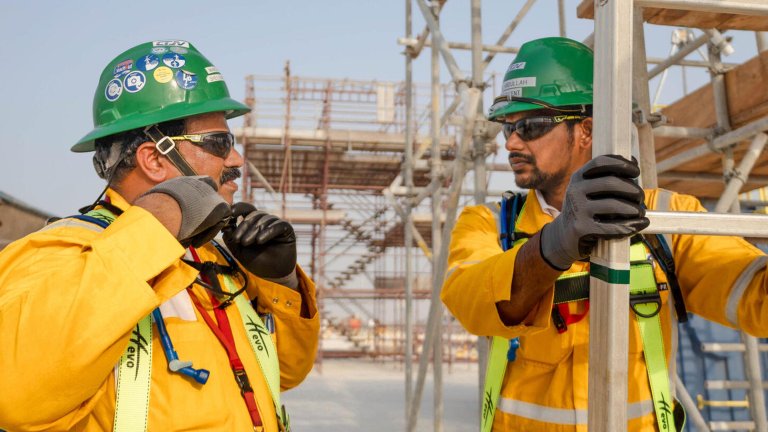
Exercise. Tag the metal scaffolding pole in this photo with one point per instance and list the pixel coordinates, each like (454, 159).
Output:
(436, 169)
(408, 216)
(609, 268)
(641, 95)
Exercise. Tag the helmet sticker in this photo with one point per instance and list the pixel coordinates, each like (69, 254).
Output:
(163, 74)
(113, 90)
(519, 82)
(514, 92)
(159, 50)
(186, 80)
(179, 50)
(516, 66)
(123, 67)
(147, 63)
(211, 70)
(174, 60)
(134, 82)
(171, 43)
(214, 78)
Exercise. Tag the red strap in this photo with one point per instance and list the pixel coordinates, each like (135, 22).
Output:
(223, 332)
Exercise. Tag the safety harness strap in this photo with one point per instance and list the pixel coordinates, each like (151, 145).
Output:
(646, 303)
(134, 372)
(264, 348)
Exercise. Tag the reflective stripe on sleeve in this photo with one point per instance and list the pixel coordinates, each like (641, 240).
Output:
(739, 286)
(564, 416)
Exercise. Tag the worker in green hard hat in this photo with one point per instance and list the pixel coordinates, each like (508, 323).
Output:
(130, 316)
(519, 270)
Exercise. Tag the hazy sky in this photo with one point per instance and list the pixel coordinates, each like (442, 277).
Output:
(53, 53)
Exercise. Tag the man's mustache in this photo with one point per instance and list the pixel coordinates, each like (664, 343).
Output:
(528, 158)
(230, 174)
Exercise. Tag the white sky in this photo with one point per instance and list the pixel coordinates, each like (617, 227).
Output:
(54, 52)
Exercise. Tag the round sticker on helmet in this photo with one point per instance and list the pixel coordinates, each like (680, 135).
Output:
(113, 90)
(147, 63)
(174, 60)
(163, 74)
(134, 82)
(186, 80)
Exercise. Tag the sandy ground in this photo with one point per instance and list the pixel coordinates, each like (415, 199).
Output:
(361, 395)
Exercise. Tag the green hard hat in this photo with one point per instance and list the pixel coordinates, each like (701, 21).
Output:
(546, 73)
(156, 82)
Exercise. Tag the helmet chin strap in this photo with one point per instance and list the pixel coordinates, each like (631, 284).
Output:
(166, 146)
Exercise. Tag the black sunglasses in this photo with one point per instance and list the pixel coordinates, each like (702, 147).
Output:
(531, 128)
(216, 143)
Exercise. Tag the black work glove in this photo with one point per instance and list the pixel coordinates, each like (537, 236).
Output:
(203, 211)
(602, 202)
(263, 243)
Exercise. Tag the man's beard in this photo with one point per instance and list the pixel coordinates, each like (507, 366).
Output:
(541, 180)
(229, 174)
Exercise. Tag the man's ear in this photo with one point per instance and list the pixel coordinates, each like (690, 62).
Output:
(585, 133)
(151, 163)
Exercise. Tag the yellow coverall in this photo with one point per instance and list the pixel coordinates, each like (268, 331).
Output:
(723, 279)
(71, 293)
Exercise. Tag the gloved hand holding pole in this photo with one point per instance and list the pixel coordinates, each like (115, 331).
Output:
(602, 202)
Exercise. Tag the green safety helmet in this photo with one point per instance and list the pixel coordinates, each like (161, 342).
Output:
(546, 73)
(156, 82)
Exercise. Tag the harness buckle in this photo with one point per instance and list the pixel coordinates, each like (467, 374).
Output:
(636, 299)
(242, 381)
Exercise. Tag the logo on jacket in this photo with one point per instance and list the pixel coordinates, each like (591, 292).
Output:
(257, 333)
(133, 354)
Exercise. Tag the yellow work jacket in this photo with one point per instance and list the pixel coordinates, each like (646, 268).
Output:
(545, 389)
(71, 293)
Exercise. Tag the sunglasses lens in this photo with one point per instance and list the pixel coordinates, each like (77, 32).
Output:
(508, 129)
(532, 129)
(218, 144)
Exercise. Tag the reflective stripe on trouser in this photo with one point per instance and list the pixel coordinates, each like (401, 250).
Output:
(564, 416)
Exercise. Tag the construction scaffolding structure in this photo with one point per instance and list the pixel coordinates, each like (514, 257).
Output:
(373, 174)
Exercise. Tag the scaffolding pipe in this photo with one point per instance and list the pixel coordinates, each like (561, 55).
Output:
(407, 217)
(435, 308)
(719, 143)
(508, 31)
(754, 375)
(480, 166)
(741, 174)
(561, 16)
(411, 42)
(437, 359)
(716, 224)
(439, 40)
(641, 95)
(691, 410)
(683, 132)
(609, 295)
(674, 59)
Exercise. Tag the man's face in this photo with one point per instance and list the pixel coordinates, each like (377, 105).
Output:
(542, 163)
(223, 170)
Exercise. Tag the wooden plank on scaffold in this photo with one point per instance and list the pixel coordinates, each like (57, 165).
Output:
(609, 285)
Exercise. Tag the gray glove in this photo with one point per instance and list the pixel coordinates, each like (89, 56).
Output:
(203, 211)
(601, 202)
(263, 243)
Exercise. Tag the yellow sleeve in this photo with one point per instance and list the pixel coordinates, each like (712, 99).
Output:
(297, 324)
(480, 275)
(723, 278)
(69, 295)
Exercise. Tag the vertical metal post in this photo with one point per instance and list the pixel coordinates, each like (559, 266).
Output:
(609, 292)
(641, 95)
(478, 67)
(762, 41)
(561, 16)
(407, 222)
(437, 195)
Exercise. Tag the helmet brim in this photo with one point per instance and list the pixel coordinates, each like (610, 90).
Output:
(229, 106)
